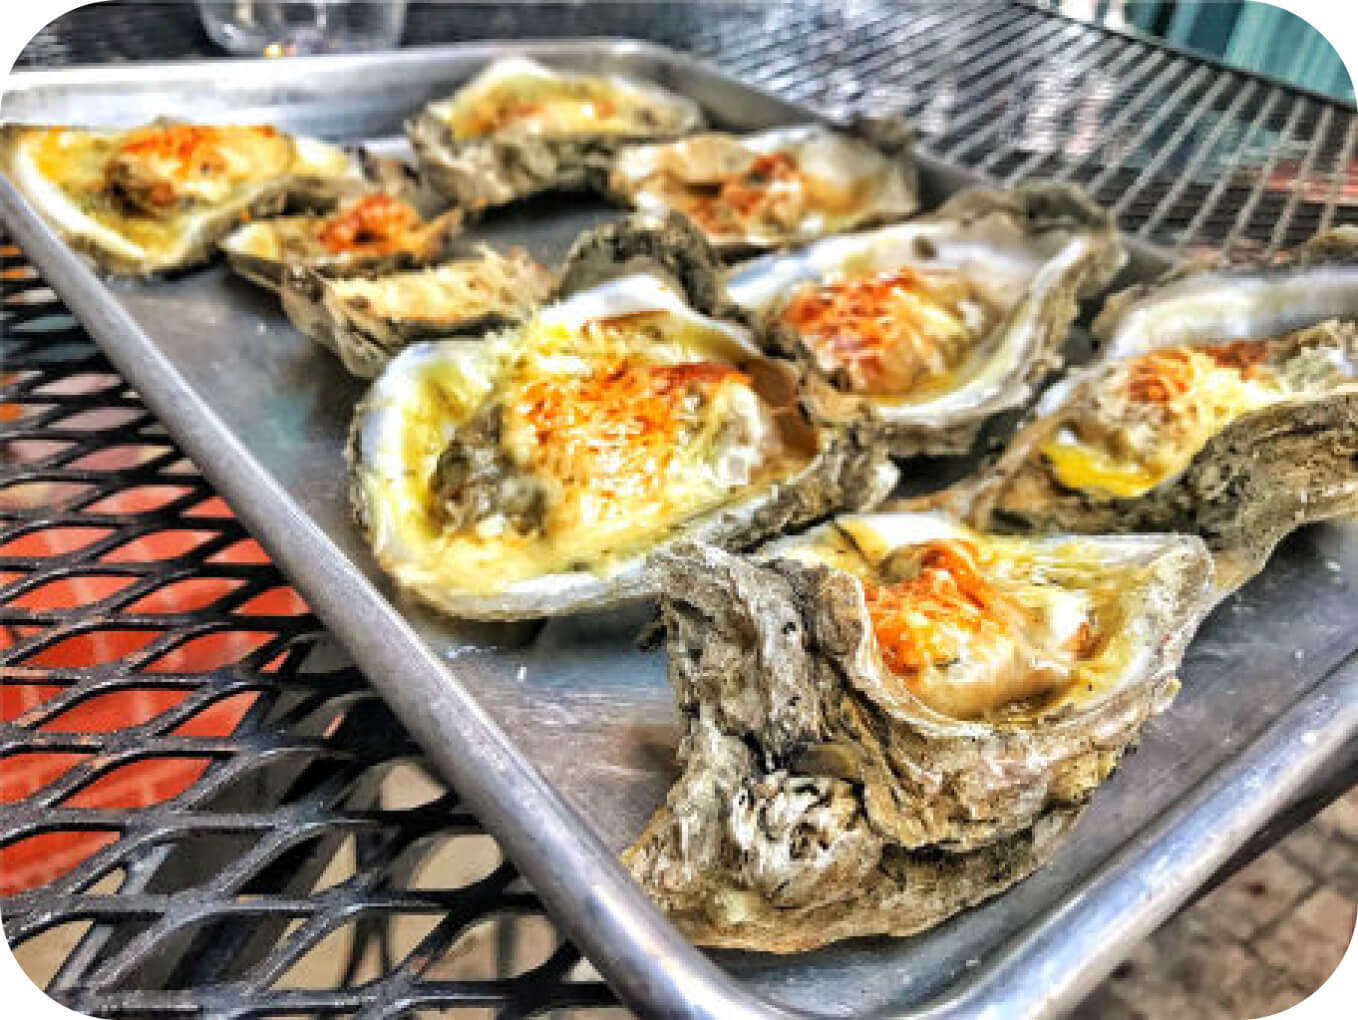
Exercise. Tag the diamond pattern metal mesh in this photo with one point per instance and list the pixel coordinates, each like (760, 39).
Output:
(202, 804)
(199, 793)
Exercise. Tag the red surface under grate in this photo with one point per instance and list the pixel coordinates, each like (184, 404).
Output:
(175, 728)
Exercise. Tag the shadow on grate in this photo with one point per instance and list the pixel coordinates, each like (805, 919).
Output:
(199, 796)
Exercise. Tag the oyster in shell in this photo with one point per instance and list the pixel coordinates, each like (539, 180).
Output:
(519, 128)
(158, 197)
(935, 325)
(775, 188)
(530, 473)
(1225, 405)
(892, 717)
(367, 319)
(371, 233)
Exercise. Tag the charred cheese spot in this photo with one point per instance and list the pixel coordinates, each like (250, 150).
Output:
(966, 642)
(893, 333)
(1150, 414)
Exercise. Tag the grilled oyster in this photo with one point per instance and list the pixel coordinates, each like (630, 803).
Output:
(371, 233)
(1225, 405)
(892, 717)
(528, 474)
(158, 197)
(774, 188)
(935, 325)
(367, 319)
(519, 128)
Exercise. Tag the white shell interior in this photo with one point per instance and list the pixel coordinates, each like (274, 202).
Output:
(1224, 306)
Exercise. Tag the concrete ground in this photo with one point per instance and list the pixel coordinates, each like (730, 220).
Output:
(1255, 945)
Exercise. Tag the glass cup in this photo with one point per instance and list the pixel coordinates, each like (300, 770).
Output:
(277, 28)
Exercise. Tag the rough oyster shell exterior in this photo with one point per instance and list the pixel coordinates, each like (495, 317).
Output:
(336, 313)
(1033, 251)
(816, 803)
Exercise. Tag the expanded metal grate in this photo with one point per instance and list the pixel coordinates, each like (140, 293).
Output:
(204, 806)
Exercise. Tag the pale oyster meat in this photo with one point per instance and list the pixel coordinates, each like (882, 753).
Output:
(519, 128)
(774, 188)
(158, 197)
(367, 319)
(933, 326)
(1225, 404)
(530, 473)
(370, 233)
(893, 717)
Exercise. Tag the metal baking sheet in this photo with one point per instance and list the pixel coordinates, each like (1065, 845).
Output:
(561, 735)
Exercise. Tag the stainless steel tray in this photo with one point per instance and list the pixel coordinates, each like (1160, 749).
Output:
(560, 736)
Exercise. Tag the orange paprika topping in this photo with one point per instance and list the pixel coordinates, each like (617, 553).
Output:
(376, 223)
(180, 152)
(886, 333)
(928, 619)
(613, 434)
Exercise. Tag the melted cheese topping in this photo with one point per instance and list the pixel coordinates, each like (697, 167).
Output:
(978, 626)
(165, 165)
(1152, 413)
(451, 292)
(969, 643)
(631, 426)
(617, 437)
(553, 106)
(732, 191)
(896, 333)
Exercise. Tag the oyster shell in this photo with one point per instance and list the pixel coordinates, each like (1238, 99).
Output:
(158, 197)
(1225, 404)
(519, 128)
(830, 785)
(530, 473)
(367, 319)
(935, 325)
(774, 188)
(370, 233)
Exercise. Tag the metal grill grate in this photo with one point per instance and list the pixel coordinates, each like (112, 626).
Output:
(203, 802)
(199, 792)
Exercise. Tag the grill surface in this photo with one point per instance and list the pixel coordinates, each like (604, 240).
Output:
(201, 797)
